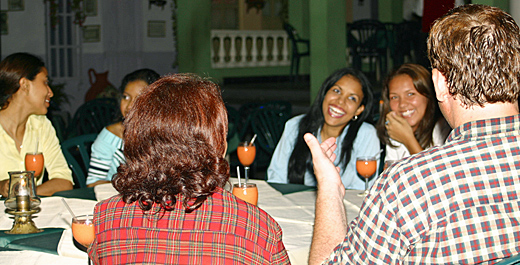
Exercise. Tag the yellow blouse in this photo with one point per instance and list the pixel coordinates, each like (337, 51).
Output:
(38, 128)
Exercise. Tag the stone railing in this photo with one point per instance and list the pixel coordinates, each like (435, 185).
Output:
(249, 48)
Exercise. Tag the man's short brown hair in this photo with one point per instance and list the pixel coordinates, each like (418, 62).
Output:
(477, 49)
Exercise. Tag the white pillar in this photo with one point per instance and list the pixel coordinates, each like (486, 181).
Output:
(514, 10)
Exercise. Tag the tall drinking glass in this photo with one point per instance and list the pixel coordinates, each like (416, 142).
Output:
(246, 154)
(83, 231)
(247, 192)
(34, 162)
(366, 166)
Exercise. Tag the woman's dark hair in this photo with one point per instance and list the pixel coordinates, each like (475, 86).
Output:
(175, 139)
(314, 119)
(13, 68)
(147, 75)
(422, 81)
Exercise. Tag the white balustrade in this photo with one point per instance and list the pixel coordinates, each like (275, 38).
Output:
(249, 48)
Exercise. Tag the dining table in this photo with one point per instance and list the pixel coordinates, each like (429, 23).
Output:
(291, 205)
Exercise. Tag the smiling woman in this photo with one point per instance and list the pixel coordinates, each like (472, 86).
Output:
(24, 98)
(340, 110)
(411, 118)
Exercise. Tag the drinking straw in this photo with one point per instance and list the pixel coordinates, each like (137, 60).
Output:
(68, 208)
(378, 153)
(253, 140)
(238, 174)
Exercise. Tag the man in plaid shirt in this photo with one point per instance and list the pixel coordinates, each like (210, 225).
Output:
(453, 204)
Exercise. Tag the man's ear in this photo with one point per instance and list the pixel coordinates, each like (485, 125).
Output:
(441, 86)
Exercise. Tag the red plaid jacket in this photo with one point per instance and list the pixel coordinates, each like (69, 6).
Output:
(224, 230)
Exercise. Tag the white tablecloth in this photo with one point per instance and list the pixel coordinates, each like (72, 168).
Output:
(294, 212)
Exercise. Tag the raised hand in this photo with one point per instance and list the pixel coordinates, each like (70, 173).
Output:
(323, 157)
(398, 128)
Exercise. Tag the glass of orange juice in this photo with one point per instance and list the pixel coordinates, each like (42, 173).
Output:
(34, 162)
(246, 152)
(247, 192)
(366, 166)
(83, 229)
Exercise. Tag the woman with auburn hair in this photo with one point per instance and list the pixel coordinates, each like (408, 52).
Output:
(411, 120)
(171, 206)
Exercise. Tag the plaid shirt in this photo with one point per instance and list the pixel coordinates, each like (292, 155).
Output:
(224, 230)
(452, 204)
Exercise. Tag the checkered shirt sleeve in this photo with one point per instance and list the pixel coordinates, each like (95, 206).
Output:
(453, 204)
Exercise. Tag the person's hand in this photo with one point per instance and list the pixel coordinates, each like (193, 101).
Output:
(322, 158)
(330, 219)
(398, 128)
(4, 187)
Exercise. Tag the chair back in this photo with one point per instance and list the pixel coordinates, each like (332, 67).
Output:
(77, 153)
(268, 124)
(247, 110)
(233, 121)
(513, 260)
(93, 116)
(367, 36)
(402, 43)
(291, 32)
(296, 52)
(233, 137)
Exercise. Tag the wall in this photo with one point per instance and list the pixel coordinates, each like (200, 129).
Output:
(391, 10)
(22, 35)
(361, 9)
(124, 45)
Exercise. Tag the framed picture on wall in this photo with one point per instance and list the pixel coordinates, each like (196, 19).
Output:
(15, 5)
(156, 28)
(3, 23)
(90, 7)
(92, 33)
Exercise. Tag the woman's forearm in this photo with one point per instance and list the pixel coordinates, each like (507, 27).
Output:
(51, 186)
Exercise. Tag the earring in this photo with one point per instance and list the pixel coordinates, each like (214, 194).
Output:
(355, 118)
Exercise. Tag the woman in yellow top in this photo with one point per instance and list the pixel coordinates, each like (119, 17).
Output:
(24, 98)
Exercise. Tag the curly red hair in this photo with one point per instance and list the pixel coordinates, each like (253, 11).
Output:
(174, 144)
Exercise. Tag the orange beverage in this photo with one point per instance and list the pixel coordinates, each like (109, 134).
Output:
(247, 192)
(83, 229)
(34, 162)
(366, 168)
(246, 154)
